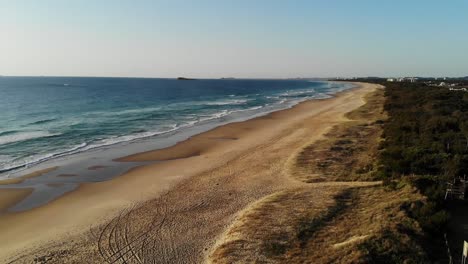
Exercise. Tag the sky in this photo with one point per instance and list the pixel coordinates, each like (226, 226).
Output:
(238, 38)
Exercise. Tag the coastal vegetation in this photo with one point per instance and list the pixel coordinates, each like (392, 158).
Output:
(425, 145)
(426, 133)
(405, 142)
(342, 214)
(349, 150)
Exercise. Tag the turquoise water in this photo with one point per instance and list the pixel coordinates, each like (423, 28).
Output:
(46, 117)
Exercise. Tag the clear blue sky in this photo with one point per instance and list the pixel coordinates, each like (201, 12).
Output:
(234, 38)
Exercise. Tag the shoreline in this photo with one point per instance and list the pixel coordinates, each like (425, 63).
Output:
(114, 160)
(195, 128)
(99, 201)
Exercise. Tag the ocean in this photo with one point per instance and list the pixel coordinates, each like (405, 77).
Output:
(42, 118)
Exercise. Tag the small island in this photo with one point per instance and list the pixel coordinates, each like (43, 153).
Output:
(185, 79)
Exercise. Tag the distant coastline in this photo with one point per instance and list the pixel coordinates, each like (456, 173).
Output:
(185, 79)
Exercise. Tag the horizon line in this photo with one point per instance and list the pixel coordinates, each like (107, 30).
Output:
(229, 77)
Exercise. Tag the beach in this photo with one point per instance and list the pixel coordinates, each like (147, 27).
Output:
(192, 191)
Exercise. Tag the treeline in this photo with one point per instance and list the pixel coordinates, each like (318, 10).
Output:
(426, 132)
(425, 143)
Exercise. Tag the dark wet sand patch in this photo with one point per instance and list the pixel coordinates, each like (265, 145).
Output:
(21, 179)
(10, 197)
(67, 175)
(224, 138)
(54, 184)
(97, 167)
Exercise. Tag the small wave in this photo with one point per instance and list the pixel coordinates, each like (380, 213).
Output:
(43, 121)
(226, 102)
(23, 136)
(127, 138)
(137, 111)
(224, 113)
(323, 96)
(24, 163)
(60, 84)
(9, 132)
(214, 116)
(36, 159)
(122, 112)
(296, 92)
(253, 108)
(33, 160)
(5, 158)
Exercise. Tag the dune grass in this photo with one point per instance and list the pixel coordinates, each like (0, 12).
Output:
(345, 223)
(339, 216)
(349, 151)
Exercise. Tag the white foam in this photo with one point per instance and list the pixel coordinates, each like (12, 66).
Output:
(22, 136)
(35, 159)
(5, 158)
(124, 112)
(225, 102)
(297, 92)
(281, 101)
(127, 138)
(224, 113)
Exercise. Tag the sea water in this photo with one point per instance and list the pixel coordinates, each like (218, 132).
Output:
(42, 118)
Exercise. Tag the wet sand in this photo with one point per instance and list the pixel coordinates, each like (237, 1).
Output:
(26, 176)
(255, 151)
(9, 197)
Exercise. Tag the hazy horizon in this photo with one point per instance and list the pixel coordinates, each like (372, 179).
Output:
(208, 39)
(229, 77)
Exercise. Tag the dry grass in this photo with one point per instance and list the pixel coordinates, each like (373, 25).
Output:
(355, 233)
(264, 233)
(349, 150)
(336, 224)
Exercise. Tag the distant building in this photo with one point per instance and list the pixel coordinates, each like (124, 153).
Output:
(406, 79)
(459, 89)
(391, 80)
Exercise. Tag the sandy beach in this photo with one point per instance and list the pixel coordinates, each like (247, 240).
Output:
(183, 201)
